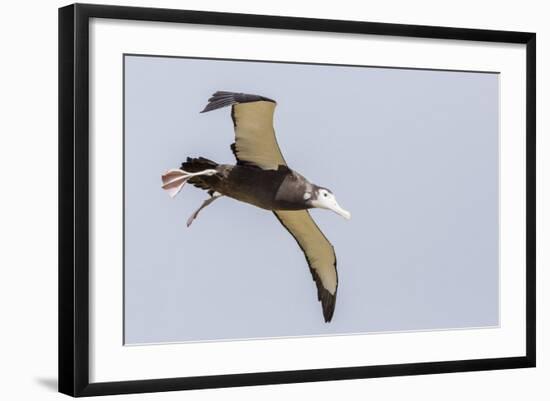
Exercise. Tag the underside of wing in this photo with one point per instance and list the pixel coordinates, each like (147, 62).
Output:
(319, 254)
(255, 140)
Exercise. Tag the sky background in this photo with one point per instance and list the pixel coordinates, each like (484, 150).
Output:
(413, 154)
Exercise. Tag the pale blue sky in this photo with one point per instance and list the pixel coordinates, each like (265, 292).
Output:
(413, 154)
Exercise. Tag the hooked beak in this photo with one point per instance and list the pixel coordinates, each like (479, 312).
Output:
(336, 208)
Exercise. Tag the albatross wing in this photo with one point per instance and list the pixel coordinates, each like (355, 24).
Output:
(255, 141)
(319, 254)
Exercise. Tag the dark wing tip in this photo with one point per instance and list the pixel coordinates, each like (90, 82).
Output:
(223, 99)
(328, 300)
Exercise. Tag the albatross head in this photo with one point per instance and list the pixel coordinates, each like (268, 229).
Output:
(323, 198)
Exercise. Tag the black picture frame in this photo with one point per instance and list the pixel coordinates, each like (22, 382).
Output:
(74, 198)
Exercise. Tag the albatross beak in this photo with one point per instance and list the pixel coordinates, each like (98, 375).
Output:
(336, 208)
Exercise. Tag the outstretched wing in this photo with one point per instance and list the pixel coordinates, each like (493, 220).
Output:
(319, 254)
(255, 141)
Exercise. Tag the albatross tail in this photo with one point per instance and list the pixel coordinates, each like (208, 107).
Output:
(194, 170)
(200, 172)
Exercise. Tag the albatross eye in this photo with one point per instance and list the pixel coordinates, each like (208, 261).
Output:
(325, 194)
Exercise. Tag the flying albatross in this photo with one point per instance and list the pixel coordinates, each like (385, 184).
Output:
(262, 178)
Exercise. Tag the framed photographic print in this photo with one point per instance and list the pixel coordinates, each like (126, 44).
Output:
(250, 199)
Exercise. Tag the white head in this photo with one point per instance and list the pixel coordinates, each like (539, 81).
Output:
(323, 198)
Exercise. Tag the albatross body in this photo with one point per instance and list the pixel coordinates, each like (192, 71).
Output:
(262, 178)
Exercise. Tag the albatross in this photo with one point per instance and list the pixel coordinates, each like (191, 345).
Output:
(262, 178)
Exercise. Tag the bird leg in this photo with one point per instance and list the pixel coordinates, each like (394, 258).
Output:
(207, 202)
(174, 180)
